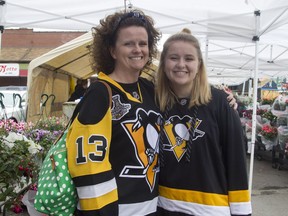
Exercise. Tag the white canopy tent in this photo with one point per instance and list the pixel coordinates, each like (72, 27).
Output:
(241, 38)
(226, 28)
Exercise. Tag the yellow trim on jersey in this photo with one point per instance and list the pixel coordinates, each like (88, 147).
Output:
(194, 196)
(99, 202)
(239, 196)
(108, 79)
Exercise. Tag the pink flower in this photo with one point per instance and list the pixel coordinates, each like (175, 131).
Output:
(17, 208)
(269, 132)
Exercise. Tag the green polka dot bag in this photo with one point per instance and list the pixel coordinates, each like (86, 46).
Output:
(56, 193)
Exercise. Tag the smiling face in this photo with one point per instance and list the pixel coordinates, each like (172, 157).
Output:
(181, 66)
(131, 51)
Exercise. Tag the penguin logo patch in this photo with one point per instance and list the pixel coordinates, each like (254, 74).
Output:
(177, 134)
(144, 133)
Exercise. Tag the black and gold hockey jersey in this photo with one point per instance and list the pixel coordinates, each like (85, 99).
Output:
(113, 151)
(214, 182)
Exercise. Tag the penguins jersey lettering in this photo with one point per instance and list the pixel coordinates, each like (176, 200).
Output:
(215, 181)
(113, 151)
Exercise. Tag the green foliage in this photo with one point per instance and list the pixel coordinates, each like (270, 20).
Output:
(22, 148)
(261, 112)
(51, 124)
(269, 115)
(267, 101)
(16, 170)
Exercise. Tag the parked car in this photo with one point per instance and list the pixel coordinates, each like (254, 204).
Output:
(13, 102)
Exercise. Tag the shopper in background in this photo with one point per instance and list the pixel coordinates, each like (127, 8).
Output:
(203, 164)
(80, 89)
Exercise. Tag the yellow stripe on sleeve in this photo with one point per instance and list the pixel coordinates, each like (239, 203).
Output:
(99, 202)
(239, 196)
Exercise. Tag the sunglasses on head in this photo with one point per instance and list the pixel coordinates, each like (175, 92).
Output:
(129, 15)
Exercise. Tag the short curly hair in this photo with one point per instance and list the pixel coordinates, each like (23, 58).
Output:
(105, 36)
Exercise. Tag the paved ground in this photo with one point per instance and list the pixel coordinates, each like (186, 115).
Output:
(269, 189)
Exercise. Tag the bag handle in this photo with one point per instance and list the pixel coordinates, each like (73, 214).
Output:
(77, 108)
(109, 91)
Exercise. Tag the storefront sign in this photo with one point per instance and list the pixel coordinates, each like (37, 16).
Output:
(9, 70)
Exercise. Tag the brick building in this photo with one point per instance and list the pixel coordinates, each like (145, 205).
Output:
(20, 46)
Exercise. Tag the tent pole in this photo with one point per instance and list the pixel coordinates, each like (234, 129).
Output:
(250, 87)
(255, 88)
(243, 88)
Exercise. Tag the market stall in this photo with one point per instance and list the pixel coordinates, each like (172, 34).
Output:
(271, 138)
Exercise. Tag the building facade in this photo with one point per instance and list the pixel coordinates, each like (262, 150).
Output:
(20, 46)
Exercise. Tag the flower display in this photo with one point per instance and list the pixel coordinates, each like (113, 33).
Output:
(267, 101)
(244, 99)
(269, 132)
(247, 114)
(261, 112)
(23, 146)
(270, 116)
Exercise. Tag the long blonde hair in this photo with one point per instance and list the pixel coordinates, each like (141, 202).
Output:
(201, 90)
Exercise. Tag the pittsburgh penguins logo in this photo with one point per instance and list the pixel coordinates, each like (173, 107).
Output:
(144, 133)
(177, 134)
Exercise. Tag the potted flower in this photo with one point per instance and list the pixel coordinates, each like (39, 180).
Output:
(267, 101)
(269, 136)
(270, 116)
(247, 114)
(22, 148)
